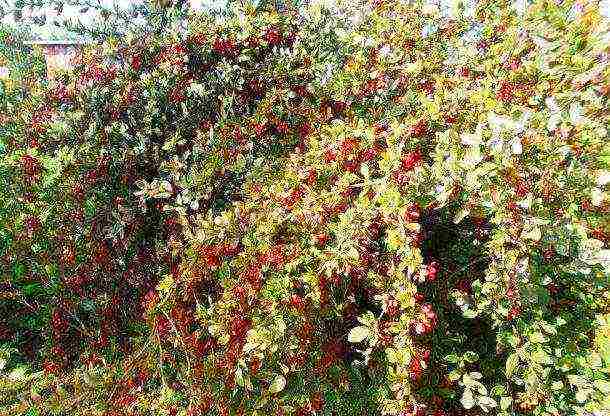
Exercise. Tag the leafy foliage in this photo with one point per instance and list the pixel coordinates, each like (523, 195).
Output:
(366, 208)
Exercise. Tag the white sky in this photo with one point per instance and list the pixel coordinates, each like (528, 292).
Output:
(49, 31)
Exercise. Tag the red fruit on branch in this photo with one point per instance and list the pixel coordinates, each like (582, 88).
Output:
(273, 36)
(281, 127)
(295, 196)
(428, 311)
(50, 367)
(322, 239)
(32, 225)
(330, 156)
(463, 285)
(513, 313)
(238, 327)
(513, 64)
(316, 401)
(506, 91)
(427, 86)
(198, 39)
(304, 130)
(338, 107)
(411, 160)
(30, 165)
(392, 307)
(431, 271)
(521, 189)
(417, 239)
(162, 326)
(297, 302)
(58, 322)
(351, 166)
(347, 146)
(136, 63)
(312, 177)
(415, 368)
(412, 213)
(253, 275)
(552, 288)
(450, 118)
(419, 129)
(255, 365)
(238, 135)
(303, 411)
(177, 94)
(240, 293)
(600, 234)
(224, 47)
(464, 72)
(260, 129)
(369, 154)
(210, 257)
(420, 328)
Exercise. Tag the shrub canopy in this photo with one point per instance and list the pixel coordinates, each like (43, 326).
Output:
(370, 208)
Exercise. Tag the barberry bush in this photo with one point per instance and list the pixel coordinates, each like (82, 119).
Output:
(365, 208)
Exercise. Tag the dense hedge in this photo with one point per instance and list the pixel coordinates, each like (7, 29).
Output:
(370, 208)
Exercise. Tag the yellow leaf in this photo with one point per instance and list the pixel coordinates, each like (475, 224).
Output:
(165, 284)
(278, 384)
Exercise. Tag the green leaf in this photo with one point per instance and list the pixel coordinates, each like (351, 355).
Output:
(470, 314)
(358, 334)
(18, 270)
(463, 213)
(486, 403)
(557, 385)
(391, 355)
(602, 385)
(454, 375)
(239, 377)
(165, 284)
(537, 337)
(278, 384)
(468, 380)
(581, 395)
(18, 374)
(505, 402)
(471, 357)
(89, 207)
(476, 375)
(534, 234)
(32, 289)
(452, 358)
(498, 390)
(511, 364)
(548, 328)
(467, 399)
(541, 357)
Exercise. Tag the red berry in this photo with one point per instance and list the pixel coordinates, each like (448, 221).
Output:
(273, 36)
(411, 160)
(431, 271)
(513, 313)
(419, 129)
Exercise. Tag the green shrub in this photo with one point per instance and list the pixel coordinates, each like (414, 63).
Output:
(369, 208)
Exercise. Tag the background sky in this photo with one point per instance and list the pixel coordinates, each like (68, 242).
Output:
(49, 31)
